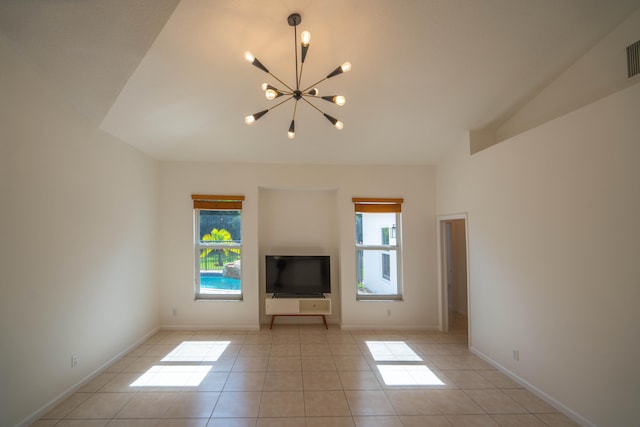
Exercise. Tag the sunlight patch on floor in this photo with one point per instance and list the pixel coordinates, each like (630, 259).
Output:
(197, 351)
(392, 351)
(173, 376)
(408, 375)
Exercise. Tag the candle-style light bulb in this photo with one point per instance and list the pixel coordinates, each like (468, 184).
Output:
(304, 41)
(254, 61)
(335, 122)
(305, 37)
(252, 118)
(292, 130)
(336, 99)
(271, 94)
(341, 69)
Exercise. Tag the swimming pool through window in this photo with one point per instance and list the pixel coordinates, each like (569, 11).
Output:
(218, 247)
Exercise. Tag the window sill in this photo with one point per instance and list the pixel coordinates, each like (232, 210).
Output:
(387, 298)
(227, 298)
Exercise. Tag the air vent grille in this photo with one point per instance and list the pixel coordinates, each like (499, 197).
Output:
(633, 59)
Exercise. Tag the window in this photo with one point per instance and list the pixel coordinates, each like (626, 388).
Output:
(386, 267)
(385, 236)
(378, 248)
(218, 246)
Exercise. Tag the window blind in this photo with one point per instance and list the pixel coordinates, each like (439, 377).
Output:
(377, 205)
(204, 201)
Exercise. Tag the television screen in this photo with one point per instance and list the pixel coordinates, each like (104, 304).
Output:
(298, 275)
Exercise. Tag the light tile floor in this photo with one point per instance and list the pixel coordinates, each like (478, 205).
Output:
(303, 376)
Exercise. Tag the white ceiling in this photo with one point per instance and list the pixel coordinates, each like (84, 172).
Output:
(169, 77)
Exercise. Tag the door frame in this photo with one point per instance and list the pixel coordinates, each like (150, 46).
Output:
(443, 296)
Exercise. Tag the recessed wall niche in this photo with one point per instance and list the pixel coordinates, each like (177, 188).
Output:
(299, 222)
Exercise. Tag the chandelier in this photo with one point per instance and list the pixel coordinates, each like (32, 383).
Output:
(296, 91)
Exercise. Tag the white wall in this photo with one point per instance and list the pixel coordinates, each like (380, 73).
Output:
(553, 248)
(299, 222)
(600, 72)
(78, 237)
(266, 188)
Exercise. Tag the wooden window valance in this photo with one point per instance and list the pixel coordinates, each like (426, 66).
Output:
(377, 205)
(206, 201)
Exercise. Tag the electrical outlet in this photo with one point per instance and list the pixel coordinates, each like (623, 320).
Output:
(74, 361)
(516, 355)
(175, 311)
(388, 312)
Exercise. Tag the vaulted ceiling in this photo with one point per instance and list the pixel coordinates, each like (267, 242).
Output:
(169, 76)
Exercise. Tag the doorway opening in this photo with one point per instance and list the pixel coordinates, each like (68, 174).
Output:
(455, 308)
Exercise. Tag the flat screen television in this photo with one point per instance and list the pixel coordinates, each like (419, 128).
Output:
(298, 275)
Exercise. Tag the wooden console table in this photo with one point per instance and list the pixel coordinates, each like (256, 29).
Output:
(298, 307)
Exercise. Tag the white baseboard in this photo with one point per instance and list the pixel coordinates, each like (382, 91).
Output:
(388, 328)
(535, 390)
(64, 395)
(210, 328)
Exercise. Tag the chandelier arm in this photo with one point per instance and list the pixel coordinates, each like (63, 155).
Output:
(315, 84)
(304, 98)
(280, 103)
(300, 76)
(280, 91)
(295, 52)
(283, 83)
(292, 127)
(335, 122)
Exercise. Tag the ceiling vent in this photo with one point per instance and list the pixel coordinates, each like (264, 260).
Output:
(633, 59)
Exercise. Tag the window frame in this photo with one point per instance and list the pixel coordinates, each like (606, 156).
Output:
(382, 205)
(213, 204)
